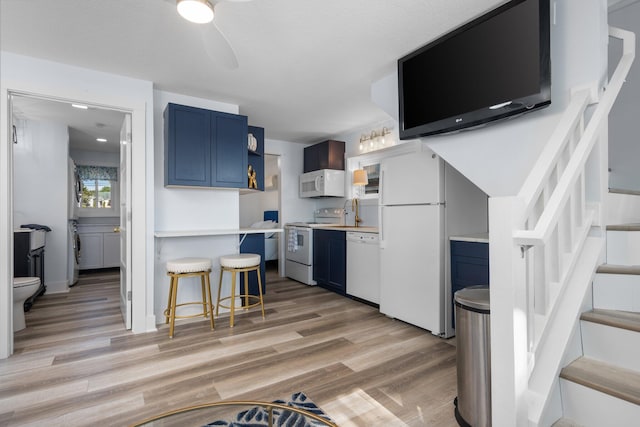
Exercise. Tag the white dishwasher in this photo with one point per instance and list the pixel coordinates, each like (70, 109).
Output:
(363, 275)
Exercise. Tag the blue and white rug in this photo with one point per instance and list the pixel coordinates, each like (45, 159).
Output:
(258, 416)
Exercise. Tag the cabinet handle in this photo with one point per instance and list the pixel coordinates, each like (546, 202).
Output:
(116, 229)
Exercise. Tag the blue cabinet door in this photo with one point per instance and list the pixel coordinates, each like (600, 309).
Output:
(338, 265)
(330, 260)
(469, 267)
(229, 168)
(187, 139)
(254, 244)
(321, 257)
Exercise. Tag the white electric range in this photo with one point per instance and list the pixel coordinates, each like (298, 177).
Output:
(299, 241)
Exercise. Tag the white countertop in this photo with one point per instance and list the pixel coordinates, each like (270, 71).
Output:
(218, 232)
(360, 229)
(478, 238)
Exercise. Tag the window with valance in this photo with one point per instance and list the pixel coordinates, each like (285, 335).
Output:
(107, 173)
(97, 183)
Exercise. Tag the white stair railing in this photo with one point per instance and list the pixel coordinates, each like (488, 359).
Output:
(534, 253)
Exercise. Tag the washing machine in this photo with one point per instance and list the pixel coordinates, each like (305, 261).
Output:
(74, 253)
(73, 197)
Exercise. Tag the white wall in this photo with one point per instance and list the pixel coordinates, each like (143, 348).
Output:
(188, 209)
(40, 191)
(95, 158)
(292, 207)
(253, 205)
(624, 149)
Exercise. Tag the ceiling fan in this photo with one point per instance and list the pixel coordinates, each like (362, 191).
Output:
(202, 13)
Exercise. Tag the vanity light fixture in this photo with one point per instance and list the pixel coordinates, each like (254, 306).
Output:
(376, 140)
(363, 139)
(383, 136)
(196, 11)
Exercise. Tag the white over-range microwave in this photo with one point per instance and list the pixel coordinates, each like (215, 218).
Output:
(322, 183)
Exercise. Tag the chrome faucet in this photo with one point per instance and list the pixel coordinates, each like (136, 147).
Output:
(354, 207)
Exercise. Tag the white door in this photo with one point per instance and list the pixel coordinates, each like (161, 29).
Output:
(411, 179)
(411, 265)
(125, 220)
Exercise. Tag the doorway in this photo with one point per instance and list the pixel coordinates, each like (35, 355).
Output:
(67, 156)
(259, 208)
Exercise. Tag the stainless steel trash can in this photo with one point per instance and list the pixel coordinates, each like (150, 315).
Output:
(473, 341)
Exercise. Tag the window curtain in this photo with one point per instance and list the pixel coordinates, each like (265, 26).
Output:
(98, 172)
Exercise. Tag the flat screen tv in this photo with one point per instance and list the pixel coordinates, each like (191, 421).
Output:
(491, 68)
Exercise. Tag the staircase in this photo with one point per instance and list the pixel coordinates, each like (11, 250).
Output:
(602, 387)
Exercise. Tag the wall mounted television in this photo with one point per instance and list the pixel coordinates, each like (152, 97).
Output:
(491, 68)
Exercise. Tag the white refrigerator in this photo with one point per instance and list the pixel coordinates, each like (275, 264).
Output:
(418, 192)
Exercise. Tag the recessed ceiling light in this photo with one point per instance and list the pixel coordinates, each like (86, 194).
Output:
(80, 106)
(101, 140)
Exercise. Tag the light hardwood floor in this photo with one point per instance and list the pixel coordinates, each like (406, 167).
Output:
(75, 365)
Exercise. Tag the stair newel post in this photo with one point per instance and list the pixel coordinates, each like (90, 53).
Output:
(510, 314)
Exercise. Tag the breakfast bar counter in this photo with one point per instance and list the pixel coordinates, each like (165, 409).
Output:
(215, 232)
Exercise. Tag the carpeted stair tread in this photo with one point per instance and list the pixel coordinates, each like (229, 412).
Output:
(615, 318)
(624, 227)
(623, 191)
(612, 380)
(619, 269)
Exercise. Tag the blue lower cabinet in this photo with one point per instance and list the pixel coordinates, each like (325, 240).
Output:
(254, 244)
(330, 260)
(469, 267)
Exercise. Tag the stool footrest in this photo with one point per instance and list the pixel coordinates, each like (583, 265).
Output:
(246, 307)
(167, 312)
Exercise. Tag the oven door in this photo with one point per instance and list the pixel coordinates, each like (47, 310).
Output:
(299, 244)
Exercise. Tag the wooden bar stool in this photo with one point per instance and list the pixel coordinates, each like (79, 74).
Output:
(188, 267)
(240, 263)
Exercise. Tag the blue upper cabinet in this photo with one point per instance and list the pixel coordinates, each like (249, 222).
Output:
(187, 146)
(204, 148)
(229, 150)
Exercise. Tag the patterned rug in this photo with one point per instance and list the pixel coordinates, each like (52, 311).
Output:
(258, 416)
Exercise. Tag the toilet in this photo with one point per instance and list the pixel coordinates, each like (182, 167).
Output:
(23, 288)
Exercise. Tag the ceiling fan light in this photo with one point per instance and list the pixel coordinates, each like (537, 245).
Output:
(196, 11)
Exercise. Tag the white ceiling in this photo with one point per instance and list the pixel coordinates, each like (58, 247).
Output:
(305, 67)
(85, 126)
